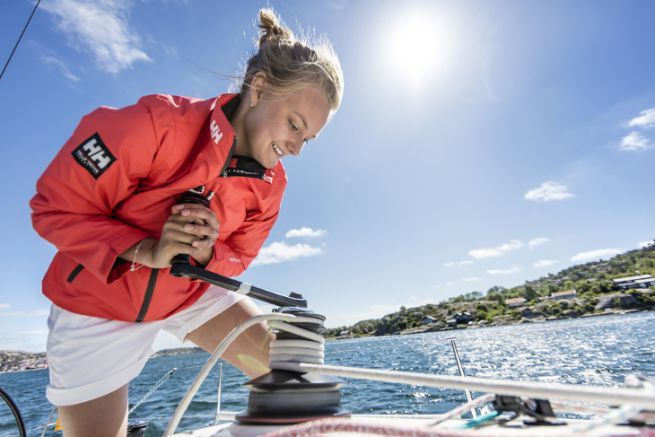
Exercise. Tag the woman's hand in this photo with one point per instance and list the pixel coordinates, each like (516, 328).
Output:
(191, 229)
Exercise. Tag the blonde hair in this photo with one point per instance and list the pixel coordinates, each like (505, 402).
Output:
(291, 63)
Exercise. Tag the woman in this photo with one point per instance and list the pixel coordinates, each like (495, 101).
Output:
(109, 202)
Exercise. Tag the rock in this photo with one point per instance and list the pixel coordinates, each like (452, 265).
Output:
(610, 301)
(16, 361)
(528, 313)
(437, 326)
(570, 314)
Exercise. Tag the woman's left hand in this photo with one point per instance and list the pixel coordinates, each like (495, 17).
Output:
(201, 222)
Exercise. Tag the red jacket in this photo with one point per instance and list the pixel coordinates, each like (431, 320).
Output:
(113, 184)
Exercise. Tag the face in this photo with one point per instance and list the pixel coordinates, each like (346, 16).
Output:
(280, 126)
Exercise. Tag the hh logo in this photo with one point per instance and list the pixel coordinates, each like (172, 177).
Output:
(215, 131)
(94, 156)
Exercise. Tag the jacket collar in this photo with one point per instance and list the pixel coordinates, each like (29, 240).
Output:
(222, 133)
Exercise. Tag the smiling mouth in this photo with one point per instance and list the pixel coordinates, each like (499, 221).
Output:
(277, 150)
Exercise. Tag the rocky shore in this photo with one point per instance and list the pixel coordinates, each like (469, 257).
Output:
(16, 361)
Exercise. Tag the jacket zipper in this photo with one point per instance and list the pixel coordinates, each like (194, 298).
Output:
(148, 297)
(76, 271)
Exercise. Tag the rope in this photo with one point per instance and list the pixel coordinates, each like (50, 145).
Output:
(456, 412)
(19, 38)
(152, 390)
(361, 427)
(282, 352)
(218, 352)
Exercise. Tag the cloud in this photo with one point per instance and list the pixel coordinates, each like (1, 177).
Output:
(549, 191)
(458, 263)
(470, 279)
(61, 66)
(496, 251)
(4, 306)
(100, 28)
(642, 245)
(537, 242)
(279, 252)
(32, 313)
(305, 232)
(595, 254)
(510, 271)
(645, 119)
(635, 141)
(544, 263)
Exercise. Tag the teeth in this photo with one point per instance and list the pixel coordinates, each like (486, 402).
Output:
(277, 149)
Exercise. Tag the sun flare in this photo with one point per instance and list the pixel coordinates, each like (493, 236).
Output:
(418, 46)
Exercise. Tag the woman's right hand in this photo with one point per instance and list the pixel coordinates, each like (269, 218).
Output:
(174, 241)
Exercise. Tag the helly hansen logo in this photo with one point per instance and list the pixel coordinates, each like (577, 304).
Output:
(215, 131)
(94, 156)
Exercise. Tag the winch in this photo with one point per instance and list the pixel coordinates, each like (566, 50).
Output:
(280, 396)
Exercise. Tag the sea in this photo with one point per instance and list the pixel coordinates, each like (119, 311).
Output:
(598, 351)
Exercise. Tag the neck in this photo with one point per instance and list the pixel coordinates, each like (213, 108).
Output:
(238, 125)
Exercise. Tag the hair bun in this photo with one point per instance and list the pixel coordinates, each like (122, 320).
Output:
(271, 28)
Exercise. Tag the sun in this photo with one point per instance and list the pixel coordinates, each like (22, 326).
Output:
(418, 45)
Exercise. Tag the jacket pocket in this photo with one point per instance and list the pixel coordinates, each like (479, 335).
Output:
(76, 271)
(148, 296)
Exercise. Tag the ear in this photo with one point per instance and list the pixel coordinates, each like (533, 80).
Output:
(257, 87)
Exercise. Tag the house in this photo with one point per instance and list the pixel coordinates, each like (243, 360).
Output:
(640, 281)
(564, 294)
(463, 317)
(427, 320)
(514, 302)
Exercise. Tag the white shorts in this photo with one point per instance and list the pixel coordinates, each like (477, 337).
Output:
(89, 357)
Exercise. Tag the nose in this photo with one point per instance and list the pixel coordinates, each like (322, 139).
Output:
(295, 147)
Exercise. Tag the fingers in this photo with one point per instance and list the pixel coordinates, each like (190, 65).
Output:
(201, 232)
(196, 211)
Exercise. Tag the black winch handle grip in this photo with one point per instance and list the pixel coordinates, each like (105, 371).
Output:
(181, 267)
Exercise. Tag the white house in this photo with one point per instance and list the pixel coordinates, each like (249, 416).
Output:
(514, 302)
(564, 294)
(640, 281)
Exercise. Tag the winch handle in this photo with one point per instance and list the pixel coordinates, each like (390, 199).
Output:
(186, 270)
(182, 268)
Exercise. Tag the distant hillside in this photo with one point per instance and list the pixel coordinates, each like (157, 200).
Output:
(595, 294)
(13, 361)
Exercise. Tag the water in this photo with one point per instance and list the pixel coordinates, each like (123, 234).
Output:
(598, 351)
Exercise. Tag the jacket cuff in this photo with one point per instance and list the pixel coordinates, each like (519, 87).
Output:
(225, 261)
(113, 268)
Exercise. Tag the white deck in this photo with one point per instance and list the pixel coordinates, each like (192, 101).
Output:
(420, 423)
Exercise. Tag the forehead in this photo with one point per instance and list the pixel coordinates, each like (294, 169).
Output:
(310, 103)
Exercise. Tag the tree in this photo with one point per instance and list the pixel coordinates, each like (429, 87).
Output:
(529, 293)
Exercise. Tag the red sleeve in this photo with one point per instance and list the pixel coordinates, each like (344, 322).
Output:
(233, 256)
(97, 168)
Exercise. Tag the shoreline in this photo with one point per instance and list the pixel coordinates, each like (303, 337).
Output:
(427, 328)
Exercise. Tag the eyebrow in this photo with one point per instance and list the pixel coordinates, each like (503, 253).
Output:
(303, 122)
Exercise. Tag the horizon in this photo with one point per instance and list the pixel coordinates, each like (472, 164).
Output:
(478, 144)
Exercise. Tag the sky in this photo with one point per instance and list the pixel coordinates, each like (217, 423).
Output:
(479, 143)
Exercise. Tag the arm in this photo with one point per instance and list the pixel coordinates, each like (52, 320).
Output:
(97, 168)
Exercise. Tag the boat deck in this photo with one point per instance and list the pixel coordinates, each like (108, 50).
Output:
(410, 426)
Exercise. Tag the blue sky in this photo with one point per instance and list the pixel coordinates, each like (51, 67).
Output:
(479, 143)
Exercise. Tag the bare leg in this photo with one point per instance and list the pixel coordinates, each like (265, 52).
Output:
(102, 417)
(249, 352)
